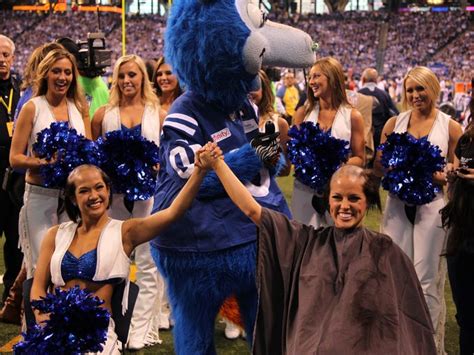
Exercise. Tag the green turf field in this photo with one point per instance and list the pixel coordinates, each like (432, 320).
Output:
(229, 347)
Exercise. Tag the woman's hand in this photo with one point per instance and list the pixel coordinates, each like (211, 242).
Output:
(465, 173)
(208, 156)
(450, 174)
(39, 162)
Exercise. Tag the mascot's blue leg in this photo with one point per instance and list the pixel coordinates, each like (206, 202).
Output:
(248, 308)
(198, 284)
(194, 320)
(246, 295)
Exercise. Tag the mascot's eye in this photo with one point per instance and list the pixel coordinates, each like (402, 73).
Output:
(256, 16)
(264, 18)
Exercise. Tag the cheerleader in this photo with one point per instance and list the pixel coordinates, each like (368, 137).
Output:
(92, 250)
(57, 98)
(417, 229)
(328, 106)
(133, 106)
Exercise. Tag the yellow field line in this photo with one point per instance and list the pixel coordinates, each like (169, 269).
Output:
(8, 347)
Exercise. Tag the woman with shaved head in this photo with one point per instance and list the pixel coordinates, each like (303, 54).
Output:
(336, 290)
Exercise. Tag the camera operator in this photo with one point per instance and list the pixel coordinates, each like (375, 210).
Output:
(9, 206)
(90, 78)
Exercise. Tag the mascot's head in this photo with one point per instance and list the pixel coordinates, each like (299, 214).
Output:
(216, 47)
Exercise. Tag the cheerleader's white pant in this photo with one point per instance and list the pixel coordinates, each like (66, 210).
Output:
(148, 278)
(303, 210)
(423, 242)
(38, 214)
(111, 346)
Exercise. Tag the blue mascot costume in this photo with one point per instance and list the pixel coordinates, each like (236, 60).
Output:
(216, 47)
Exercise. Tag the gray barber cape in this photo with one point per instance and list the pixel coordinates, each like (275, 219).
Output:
(334, 291)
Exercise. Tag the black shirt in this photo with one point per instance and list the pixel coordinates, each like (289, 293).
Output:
(465, 150)
(6, 87)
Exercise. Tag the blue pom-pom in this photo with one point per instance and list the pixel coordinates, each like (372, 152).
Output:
(76, 324)
(315, 154)
(410, 165)
(68, 147)
(129, 159)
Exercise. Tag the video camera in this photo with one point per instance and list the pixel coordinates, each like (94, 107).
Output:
(91, 56)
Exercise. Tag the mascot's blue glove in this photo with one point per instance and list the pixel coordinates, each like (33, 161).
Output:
(245, 164)
(267, 146)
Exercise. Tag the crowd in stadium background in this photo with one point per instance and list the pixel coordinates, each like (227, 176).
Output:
(392, 42)
(395, 41)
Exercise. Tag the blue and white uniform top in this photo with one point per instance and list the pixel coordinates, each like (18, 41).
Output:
(439, 133)
(44, 117)
(112, 261)
(211, 223)
(341, 126)
(150, 124)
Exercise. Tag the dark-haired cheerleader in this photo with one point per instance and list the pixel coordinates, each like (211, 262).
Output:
(458, 218)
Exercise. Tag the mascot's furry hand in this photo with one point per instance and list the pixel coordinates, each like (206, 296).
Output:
(267, 145)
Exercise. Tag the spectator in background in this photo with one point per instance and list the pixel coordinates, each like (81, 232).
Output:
(448, 109)
(457, 219)
(383, 108)
(289, 95)
(166, 85)
(12, 308)
(364, 104)
(9, 206)
(150, 69)
(95, 88)
(30, 73)
(381, 83)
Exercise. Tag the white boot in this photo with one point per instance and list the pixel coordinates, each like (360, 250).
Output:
(142, 332)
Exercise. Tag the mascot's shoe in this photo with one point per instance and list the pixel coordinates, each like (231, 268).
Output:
(164, 322)
(232, 331)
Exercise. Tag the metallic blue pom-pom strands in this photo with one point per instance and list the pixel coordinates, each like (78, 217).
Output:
(315, 154)
(410, 165)
(129, 158)
(126, 156)
(69, 150)
(77, 324)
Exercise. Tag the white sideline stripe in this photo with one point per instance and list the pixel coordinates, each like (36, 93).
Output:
(180, 126)
(183, 117)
